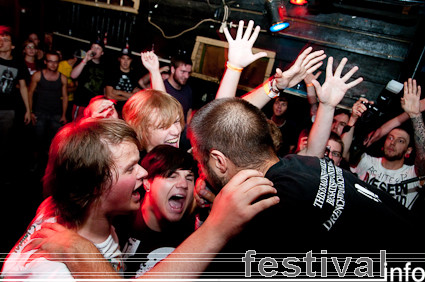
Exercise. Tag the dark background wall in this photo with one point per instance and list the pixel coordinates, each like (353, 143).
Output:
(384, 38)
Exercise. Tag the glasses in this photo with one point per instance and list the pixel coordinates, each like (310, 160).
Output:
(5, 39)
(50, 61)
(30, 47)
(336, 154)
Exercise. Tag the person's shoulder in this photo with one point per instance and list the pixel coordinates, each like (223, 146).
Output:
(292, 163)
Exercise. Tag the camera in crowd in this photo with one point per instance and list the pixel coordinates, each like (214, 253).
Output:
(379, 108)
(371, 119)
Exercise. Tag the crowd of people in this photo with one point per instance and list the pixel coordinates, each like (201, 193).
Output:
(126, 193)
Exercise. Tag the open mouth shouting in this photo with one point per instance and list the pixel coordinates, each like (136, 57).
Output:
(177, 202)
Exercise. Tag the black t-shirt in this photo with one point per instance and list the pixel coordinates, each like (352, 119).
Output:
(90, 83)
(321, 208)
(11, 71)
(143, 247)
(124, 81)
(184, 96)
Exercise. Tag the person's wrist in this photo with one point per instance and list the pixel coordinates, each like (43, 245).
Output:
(414, 115)
(271, 89)
(352, 121)
(327, 105)
(233, 67)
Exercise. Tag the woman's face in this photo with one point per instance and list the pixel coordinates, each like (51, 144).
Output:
(158, 135)
(30, 50)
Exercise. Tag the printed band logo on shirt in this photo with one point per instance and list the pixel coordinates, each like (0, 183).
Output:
(331, 191)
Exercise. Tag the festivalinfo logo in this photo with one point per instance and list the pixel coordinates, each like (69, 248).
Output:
(326, 267)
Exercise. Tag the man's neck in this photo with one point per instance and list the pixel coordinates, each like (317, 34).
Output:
(278, 120)
(96, 61)
(6, 55)
(149, 216)
(392, 165)
(95, 228)
(174, 83)
(124, 70)
(268, 164)
(50, 75)
(265, 165)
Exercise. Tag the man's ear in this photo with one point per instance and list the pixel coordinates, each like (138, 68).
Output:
(408, 152)
(172, 70)
(219, 160)
(146, 185)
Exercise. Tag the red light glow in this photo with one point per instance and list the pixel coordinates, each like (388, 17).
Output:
(298, 2)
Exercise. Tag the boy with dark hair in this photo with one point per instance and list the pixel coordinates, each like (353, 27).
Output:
(164, 219)
(176, 84)
(124, 81)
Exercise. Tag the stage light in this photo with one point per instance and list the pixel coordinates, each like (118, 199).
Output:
(278, 26)
(298, 2)
(275, 10)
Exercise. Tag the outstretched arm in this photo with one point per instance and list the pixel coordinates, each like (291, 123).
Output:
(307, 62)
(234, 206)
(151, 63)
(411, 105)
(330, 94)
(311, 93)
(240, 55)
(357, 111)
(389, 125)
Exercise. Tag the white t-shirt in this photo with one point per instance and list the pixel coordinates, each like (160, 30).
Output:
(17, 266)
(370, 170)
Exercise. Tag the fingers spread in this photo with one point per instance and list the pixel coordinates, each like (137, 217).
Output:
(329, 67)
(348, 75)
(240, 30)
(355, 82)
(303, 55)
(248, 31)
(254, 36)
(340, 67)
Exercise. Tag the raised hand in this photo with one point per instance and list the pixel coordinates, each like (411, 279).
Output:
(235, 205)
(335, 86)
(411, 98)
(150, 61)
(311, 76)
(306, 63)
(240, 49)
